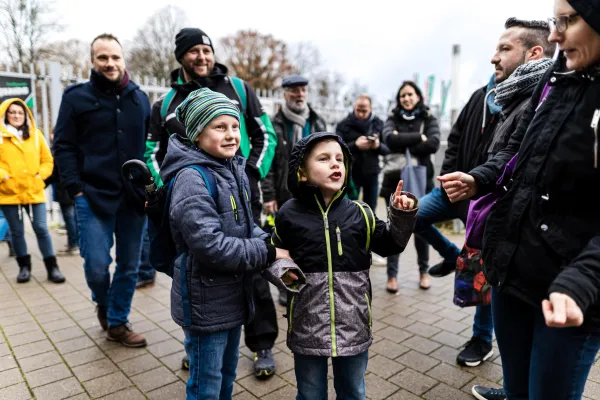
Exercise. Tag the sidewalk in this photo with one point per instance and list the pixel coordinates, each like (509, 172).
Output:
(51, 346)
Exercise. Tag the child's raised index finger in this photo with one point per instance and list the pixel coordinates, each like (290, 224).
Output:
(399, 188)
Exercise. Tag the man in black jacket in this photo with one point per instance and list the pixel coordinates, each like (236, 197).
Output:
(468, 146)
(194, 51)
(361, 130)
(101, 124)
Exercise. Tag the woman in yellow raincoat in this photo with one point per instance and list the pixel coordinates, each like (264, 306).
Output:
(25, 161)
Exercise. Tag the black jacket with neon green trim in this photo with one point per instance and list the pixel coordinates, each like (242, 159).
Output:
(332, 245)
(260, 132)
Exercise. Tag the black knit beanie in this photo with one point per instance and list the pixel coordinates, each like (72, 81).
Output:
(589, 11)
(188, 38)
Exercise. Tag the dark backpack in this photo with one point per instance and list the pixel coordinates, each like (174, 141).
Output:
(163, 251)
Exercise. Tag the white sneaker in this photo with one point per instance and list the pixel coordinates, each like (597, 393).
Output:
(378, 260)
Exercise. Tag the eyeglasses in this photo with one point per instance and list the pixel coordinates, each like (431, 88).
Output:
(561, 23)
(20, 113)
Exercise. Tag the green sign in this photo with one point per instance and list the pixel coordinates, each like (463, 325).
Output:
(11, 87)
(445, 95)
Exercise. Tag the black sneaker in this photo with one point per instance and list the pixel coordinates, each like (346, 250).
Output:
(486, 393)
(264, 364)
(185, 363)
(475, 352)
(442, 269)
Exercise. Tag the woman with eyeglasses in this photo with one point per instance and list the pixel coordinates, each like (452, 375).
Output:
(25, 161)
(542, 238)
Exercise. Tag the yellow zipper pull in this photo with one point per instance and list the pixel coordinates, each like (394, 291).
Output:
(234, 207)
(338, 234)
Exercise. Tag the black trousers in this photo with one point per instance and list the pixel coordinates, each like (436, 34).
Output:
(261, 332)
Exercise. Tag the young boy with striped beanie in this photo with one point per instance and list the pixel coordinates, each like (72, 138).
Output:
(212, 226)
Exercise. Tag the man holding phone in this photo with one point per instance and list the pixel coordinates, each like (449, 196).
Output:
(361, 130)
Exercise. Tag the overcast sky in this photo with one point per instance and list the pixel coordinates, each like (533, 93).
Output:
(381, 43)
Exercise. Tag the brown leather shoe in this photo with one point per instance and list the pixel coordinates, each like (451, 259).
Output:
(124, 335)
(102, 318)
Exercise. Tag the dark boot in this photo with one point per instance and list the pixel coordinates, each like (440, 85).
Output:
(24, 269)
(124, 335)
(54, 274)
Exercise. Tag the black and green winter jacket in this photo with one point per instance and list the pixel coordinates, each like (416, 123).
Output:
(331, 244)
(258, 136)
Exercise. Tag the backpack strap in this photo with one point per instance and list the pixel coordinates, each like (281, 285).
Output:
(209, 180)
(369, 220)
(164, 109)
(240, 91)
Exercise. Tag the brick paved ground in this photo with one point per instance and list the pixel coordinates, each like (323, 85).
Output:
(51, 346)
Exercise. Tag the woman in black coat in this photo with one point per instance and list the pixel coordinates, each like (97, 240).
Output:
(410, 126)
(542, 239)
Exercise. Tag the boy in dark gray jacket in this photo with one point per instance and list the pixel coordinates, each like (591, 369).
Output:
(330, 238)
(217, 238)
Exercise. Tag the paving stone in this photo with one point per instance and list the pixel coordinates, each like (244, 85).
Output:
(449, 339)
(450, 375)
(107, 384)
(122, 353)
(398, 321)
(445, 392)
(413, 381)
(4, 350)
(15, 319)
(52, 316)
(446, 354)
(592, 390)
(40, 361)
(245, 396)
(165, 348)
(58, 324)
(403, 395)
(32, 349)
(139, 364)
(154, 379)
(46, 375)
(94, 369)
(394, 334)
(59, 390)
(487, 370)
(7, 362)
(417, 361)
(425, 317)
(383, 367)
(285, 393)
(173, 361)
(76, 344)
(378, 388)
(15, 392)
(388, 349)
(129, 394)
(10, 377)
(421, 345)
(451, 326)
(261, 388)
(21, 328)
(81, 357)
(155, 336)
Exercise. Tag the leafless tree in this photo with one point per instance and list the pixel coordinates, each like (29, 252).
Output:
(259, 59)
(26, 27)
(72, 52)
(151, 52)
(306, 59)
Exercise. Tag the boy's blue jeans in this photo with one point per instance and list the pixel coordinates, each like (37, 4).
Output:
(96, 238)
(539, 362)
(146, 272)
(213, 363)
(348, 376)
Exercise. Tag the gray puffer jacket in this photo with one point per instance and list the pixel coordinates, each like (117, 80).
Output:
(331, 315)
(222, 240)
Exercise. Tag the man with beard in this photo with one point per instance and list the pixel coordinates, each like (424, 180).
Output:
(101, 124)
(295, 120)
(194, 51)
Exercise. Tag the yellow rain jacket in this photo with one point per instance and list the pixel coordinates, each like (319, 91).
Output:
(26, 163)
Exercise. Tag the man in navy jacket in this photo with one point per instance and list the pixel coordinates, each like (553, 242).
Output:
(101, 124)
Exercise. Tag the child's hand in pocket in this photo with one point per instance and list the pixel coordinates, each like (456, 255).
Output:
(402, 201)
(289, 278)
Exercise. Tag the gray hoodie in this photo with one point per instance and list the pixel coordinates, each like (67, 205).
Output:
(221, 237)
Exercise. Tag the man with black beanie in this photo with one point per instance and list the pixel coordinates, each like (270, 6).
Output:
(195, 52)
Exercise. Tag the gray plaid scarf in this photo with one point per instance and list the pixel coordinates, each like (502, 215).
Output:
(522, 81)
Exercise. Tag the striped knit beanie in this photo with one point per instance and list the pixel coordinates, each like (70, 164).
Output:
(201, 107)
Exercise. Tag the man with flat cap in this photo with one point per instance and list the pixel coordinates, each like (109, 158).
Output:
(295, 120)
(194, 51)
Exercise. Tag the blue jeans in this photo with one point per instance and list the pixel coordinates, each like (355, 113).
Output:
(96, 237)
(6, 236)
(37, 215)
(213, 363)
(483, 323)
(145, 272)
(539, 362)
(348, 376)
(434, 208)
(68, 213)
